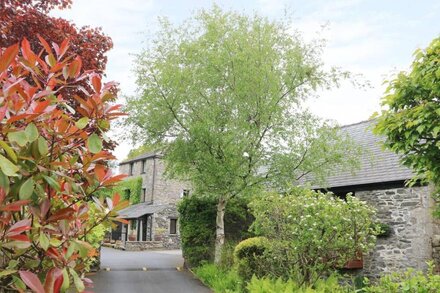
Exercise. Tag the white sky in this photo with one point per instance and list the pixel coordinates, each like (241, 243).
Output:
(369, 37)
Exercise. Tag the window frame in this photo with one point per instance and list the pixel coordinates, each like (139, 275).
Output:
(173, 220)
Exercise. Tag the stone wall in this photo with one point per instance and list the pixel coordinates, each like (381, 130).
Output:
(158, 188)
(161, 228)
(143, 245)
(408, 211)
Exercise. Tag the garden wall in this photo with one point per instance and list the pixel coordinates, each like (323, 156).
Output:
(408, 212)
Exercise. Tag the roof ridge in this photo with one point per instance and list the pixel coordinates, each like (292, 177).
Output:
(357, 123)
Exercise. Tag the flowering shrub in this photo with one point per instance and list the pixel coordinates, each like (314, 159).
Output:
(312, 233)
(53, 159)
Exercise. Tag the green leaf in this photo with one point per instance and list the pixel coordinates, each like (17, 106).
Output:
(26, 189)
(77, 281)
(7, 272)
(81, 123)
(44, 241)
(55, 242)
(9, 151)
(4, 182)
(94, 143)
(66, 282)
(19, 283)
(70, 250)
(43, 148)
(17, 244)
(31, 132)
(8, 168)
(52, 182)
(18, 137)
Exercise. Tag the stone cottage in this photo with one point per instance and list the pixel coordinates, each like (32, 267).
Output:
(153, 223)
(407, 211)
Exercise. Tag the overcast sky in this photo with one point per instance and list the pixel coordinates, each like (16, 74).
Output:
(375, 38)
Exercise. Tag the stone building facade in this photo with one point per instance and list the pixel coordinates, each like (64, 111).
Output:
(153, 223)
(407, 211)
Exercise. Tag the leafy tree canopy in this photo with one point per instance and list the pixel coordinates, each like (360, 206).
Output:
(410, 120)
(225, 92)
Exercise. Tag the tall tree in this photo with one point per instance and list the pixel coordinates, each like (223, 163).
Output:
(225, 92)
(410, 120)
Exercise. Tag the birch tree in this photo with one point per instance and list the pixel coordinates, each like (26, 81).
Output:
(224, 94)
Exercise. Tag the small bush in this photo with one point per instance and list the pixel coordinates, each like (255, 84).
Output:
(219, 280)
(409, 281)
(249, 256)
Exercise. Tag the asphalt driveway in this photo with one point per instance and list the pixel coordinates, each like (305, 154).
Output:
(144, 271)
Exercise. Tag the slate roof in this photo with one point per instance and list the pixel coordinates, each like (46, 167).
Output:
(141, 157)
(377, 165)
(140, 209)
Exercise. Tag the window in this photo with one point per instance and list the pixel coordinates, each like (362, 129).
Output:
(173, 226)
(185, 192)
(144, 165)
(144, 193)
(127, 194)
(130, 172)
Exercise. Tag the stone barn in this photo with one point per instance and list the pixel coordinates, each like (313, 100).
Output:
(413, 237)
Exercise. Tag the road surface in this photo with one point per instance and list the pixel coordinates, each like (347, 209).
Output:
(144, 272)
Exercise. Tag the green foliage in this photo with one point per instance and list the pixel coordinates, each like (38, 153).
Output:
(385, 230)
(197, 226)
(130, 189)
(312, 233)
(410, 281)
(249, 256)
(140, 150)
(267, 285)
(219, 280)
(229, 89)
(410, 119)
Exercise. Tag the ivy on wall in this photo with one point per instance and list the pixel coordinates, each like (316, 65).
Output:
(129, 189)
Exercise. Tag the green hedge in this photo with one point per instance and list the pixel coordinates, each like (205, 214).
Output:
(197, 226)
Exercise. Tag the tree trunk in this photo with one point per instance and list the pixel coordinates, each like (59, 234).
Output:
(220, 230)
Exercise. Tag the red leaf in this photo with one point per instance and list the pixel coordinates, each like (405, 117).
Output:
(19, 227)
(32, 281)
(52, 283)
(20, 237)
(100, 172)
(15, 206)
(53, 253)
(62, 214)
(8, 56)
(63, 48)
(96, 82)
(114, 179)
(41, 106)
(3, 111)
(27, 51)
(45, 45)
(44, 207)
(116, 199)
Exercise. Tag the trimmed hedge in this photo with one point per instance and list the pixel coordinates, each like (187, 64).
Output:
(249, 257)
(197, 226)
